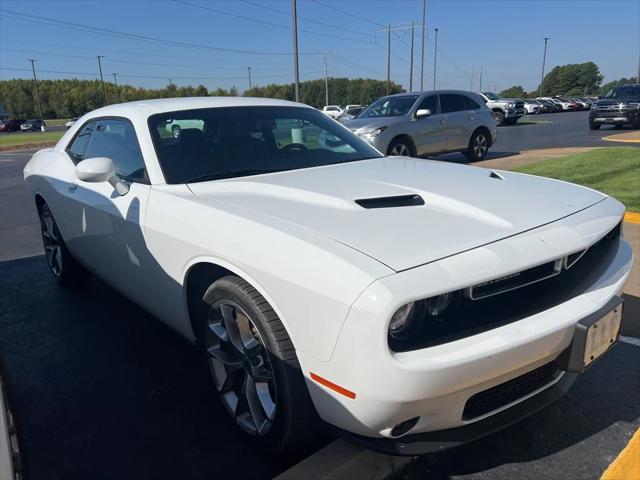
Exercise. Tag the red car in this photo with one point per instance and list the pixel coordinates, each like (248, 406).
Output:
(12, 125)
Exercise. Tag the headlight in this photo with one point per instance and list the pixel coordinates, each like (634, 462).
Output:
(410, 317)
(511, 105)
(370, 132)
(405, 320)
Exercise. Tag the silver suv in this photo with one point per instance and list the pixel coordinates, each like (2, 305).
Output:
(421, 123)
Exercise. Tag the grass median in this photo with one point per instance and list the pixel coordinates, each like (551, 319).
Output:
(614, 171)
(16, 140)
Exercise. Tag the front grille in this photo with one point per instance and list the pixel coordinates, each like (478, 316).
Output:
(515, 280)
(519, 105)
(501, 395)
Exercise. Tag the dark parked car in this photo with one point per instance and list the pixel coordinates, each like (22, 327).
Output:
(12, 125)
(620, 106)
(32, 125)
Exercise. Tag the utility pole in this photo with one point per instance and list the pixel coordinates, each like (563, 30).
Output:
(544, 60)
(471, 88)
(424, 25)
(115, 78)
(435, 60)
(249, 71)
(388, 59)
(170, 81)
(104, 92)
(480, 87)
(35, 86)
(411, 59)
(294, 18)
(638, 74)
(326, 80)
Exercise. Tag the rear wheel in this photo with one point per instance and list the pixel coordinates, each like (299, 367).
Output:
(62, 265)
(402, 147)
(254, 367)
(478, 147)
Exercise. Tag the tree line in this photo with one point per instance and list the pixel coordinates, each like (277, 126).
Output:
(73, 97)
(571, 80)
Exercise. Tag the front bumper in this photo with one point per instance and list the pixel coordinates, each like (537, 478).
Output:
(514, 113)
(620, 117)
(435, 383)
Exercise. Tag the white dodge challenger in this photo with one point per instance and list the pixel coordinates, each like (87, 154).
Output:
(412, 304)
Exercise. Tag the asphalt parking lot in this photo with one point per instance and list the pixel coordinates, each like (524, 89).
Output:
(103, 390)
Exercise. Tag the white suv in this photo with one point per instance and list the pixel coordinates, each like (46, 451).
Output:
(334, 111)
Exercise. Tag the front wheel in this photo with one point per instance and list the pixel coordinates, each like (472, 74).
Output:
(401, 147)
(594, 126)
(478, 147)
(254, 367)
(63, 266)
(499, 116)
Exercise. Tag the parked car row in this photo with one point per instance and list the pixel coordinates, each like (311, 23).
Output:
(20, 124)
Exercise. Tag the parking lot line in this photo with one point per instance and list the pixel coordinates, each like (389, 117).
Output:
(632, 217)
(626, 466)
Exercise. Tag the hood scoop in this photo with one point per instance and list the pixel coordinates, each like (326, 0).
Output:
(391, 202)
(496, 175)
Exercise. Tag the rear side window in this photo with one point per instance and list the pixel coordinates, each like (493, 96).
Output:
(471, 104)
(429, 103)
(450, 103)
(116, 139)
(79, 145)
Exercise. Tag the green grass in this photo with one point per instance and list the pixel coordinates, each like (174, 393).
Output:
(18, 139)
(56, 122)
(614, 171)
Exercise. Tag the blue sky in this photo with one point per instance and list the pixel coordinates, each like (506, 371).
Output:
(502, 36)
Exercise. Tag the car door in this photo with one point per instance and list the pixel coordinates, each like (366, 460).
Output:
(430, 132)
(458, 120)
(109, 228)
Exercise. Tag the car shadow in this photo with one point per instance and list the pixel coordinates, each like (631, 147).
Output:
(460, 158)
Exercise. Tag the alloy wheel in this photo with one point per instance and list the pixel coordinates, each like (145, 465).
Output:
(480, 146)
(240, 367)
(52, 241)
(401, 149)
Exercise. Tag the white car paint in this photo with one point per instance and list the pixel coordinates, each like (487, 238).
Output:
(334, 272)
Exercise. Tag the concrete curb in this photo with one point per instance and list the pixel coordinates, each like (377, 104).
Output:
(342, 460)
(627, 137)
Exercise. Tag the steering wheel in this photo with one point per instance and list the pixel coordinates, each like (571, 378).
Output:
(293, 146)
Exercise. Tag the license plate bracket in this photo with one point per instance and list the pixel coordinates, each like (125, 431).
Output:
(593, 337)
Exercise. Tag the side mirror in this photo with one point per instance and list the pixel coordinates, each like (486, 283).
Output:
(101, 169)
(423, 112)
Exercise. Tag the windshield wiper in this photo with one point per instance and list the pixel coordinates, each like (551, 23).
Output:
(232, 174)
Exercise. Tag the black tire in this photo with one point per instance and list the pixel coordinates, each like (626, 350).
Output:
(399, 144)
(594, 126)
(65, 269)
(478, 146)
(499, 118)
(618, 126)
(295, 420)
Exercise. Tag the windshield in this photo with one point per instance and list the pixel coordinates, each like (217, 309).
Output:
(216, 143)
(628, 91)
(389, 107)
(492, 96)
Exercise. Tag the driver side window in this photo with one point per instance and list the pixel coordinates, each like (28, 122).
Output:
(116, 139)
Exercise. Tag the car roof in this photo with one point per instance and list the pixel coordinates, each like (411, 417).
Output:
(150, 107)
(425, 92)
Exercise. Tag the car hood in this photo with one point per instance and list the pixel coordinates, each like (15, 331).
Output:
(358, 123)
(464, 207)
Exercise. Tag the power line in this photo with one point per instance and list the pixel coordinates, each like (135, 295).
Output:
(264, 22)
(307, 19)
(358, 17)
(130, 36)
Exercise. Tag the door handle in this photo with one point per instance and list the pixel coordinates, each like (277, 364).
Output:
(472, 117)
(73, 187)
(443, 121)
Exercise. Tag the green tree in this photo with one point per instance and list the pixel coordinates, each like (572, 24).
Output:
(572, 79)
(514, 92)
(609, 85)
